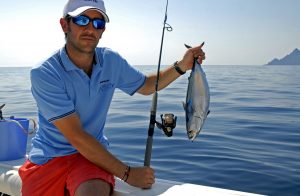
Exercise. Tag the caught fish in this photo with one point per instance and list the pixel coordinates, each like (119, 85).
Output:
(197, 101)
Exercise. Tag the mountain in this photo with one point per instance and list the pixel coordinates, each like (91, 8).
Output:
(291, 59)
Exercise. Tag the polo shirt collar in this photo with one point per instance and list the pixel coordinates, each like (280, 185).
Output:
(70, 66)
(67, 63)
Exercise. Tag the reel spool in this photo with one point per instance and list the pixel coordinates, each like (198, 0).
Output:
(168, 123)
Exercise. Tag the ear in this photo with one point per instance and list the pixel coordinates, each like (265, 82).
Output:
(64, 25)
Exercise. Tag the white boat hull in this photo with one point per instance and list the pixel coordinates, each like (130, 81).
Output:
(10, 184)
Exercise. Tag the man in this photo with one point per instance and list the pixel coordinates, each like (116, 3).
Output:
(73, 90)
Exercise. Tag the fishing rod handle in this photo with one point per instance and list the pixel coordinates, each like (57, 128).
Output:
(148, 151)
(152, 122)
(154, 103)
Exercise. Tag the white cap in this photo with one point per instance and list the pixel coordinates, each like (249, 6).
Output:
(76, 7)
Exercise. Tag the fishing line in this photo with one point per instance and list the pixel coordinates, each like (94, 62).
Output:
(165, 118)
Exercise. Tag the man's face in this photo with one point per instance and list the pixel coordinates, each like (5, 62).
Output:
(83, 38)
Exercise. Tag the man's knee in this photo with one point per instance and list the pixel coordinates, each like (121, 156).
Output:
(94, 187)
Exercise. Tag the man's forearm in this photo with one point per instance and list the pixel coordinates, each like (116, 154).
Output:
(88, 146)
(166, 76)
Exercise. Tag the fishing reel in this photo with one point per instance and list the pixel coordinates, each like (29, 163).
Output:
(168, 123)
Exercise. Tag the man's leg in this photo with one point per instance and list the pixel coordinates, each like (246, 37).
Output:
(93, 187)
(85, 178)
(48, 179)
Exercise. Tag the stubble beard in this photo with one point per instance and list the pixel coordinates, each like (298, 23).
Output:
(82, 46)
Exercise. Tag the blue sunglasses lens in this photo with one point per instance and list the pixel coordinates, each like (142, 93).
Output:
(84, 20)
(98, 23)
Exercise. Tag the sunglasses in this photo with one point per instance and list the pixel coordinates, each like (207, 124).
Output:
(82, 20)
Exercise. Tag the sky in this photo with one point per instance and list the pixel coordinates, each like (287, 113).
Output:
(236, 32)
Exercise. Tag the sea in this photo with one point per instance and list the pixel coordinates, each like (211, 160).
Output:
(250, 141)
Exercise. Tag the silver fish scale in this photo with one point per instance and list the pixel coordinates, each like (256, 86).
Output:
(197, 102)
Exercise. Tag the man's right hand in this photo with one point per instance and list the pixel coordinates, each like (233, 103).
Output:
(142, 177)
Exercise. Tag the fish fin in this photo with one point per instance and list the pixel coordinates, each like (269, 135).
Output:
(208, 112)
(189, 106)
(184, 106)
(187, 46)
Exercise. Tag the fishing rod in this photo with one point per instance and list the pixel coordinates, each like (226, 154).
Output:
(168, 120)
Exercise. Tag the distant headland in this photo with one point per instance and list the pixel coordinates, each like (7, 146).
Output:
(291, 59)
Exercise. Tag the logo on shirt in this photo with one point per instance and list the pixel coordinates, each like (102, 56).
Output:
(104, 81)
(106, 85)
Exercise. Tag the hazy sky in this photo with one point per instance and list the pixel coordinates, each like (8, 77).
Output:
(243, 32)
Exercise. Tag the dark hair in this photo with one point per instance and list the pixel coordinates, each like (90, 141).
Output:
(68, 19)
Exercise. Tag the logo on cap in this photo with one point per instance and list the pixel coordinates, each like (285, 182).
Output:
(92, 0)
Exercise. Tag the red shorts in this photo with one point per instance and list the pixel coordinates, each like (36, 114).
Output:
(60, 176)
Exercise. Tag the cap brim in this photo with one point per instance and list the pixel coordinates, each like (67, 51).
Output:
(80, 10)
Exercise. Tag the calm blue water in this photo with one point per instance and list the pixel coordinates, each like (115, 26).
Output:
(250, 142)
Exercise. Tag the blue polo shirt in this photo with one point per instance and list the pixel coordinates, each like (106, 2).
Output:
(60, 89)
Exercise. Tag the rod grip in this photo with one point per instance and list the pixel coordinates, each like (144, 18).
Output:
(148, 151)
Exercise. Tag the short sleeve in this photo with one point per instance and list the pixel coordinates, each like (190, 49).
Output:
(49, 91)
(130, 79)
